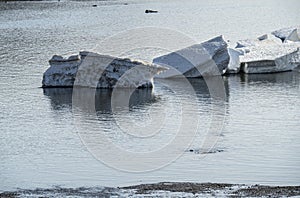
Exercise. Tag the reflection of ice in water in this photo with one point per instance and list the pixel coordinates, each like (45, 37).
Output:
(175, 124)
(164, 106)
(128, 134)
(162, 103)
(261, 144)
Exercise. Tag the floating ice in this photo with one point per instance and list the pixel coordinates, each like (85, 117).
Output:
(234, 62)
(270, 58)
(294, 36)
(283, 33)
(210, 58)
(99, 71)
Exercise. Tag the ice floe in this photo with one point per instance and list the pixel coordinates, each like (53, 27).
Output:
(209, 58)
(99, 71)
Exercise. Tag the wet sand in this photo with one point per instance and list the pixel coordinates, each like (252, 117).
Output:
(164, 189)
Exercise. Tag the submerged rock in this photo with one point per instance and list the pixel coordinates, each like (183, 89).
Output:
(99, 71)
(210, 58)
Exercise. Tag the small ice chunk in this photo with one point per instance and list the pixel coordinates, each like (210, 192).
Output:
(294, 36)
(283, 33)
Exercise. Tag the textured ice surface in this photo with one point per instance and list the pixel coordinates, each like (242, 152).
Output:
(266, 51)
(267, 48)
(100, 71)
(234, 62)
(294, 36)
(284, 32)
(210, 58)
(271, 58)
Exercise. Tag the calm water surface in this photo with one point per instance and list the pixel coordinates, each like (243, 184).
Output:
(39, 143)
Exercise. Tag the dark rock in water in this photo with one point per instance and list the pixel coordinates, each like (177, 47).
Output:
(151, 11)
(199, 151)
(99, 71)
(94, 5)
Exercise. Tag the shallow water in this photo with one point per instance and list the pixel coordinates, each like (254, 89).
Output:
(40, 142)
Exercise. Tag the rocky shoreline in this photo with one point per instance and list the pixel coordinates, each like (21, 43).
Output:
(164, 189)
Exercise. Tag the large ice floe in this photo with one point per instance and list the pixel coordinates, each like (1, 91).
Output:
(278, 51)
(210, 58)
(269, 53)
(99, 71)
(270, 58)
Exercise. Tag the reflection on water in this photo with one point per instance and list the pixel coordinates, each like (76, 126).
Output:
(59, 97)
(285, 78)
(257, 145)
(62, 97)
(40, 145)
(152, 122)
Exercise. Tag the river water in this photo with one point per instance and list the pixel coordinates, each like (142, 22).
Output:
(42, 139)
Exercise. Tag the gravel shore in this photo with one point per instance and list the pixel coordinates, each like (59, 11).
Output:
(164, 189)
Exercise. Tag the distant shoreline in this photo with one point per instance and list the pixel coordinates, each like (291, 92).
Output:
(166, 189)
(19, 0)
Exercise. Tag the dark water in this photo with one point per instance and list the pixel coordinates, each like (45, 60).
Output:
(40, 143)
